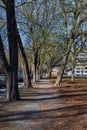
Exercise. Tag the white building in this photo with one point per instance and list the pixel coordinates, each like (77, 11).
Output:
(81, 67)
(81, 70)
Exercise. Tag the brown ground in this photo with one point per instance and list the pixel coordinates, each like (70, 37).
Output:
(47, 107)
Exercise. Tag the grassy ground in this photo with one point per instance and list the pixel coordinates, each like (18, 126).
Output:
(46, 107)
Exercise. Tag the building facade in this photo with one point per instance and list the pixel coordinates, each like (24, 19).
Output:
(81, 67)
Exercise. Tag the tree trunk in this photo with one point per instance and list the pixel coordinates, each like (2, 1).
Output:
(35, 66)
(8, 86)
(24, 65)
(63, 64)
(38, 68)
(34, 74)
(72, 75)
(37, 73)
(6, 68)
(37, 76)
(13, 48)
(14, 89)
(61, 72)
(50, 74)
(34, 77)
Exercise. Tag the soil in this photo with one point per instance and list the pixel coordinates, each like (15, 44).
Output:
(46, 107)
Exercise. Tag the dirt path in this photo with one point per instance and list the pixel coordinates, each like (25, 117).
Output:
(46, 108)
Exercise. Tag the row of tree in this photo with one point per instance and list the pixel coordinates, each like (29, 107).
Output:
(52, 30)
(55, 24)
(10, 67)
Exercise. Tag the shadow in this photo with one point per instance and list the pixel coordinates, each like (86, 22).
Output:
(63, 112)
(64, 92)
(65, 109)
(45, 94)
(3, 103)
(72, 91)
(54, 97)
(40, 93)
(43, 83)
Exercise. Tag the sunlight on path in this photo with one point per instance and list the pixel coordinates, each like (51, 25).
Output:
(44, 83)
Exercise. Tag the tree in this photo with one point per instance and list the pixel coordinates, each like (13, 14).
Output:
(13, 48)
(11, 69)
(27, 81)
(77, 47)
(25, 67)
(72, 18)
(51, 56)
(7, 70)
(38, 20)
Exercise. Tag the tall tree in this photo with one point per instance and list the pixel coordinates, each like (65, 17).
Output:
(13, 48)
(72, 19)
(37, 21)
(25, 67)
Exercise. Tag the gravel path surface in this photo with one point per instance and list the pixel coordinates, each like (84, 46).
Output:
(46, 108)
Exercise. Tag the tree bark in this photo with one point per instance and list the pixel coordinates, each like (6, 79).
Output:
(7, 70)
(61, 72)
(8, 86)
(24, 65)
(38, 67)
(35, 66)
(25, 68)
(38, 73)
(50, 73)
(72, 75)
(63, 64)
(13, 49)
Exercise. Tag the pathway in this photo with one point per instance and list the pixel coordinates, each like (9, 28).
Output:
(46, 108)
